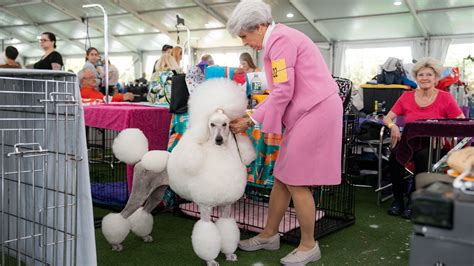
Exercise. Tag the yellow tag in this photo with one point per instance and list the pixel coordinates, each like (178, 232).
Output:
(279, 71)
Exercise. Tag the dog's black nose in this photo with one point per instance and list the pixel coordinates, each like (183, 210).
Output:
(219, 140)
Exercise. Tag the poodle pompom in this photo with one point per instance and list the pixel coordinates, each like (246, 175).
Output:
(216, 94)
(141, 222)
(130, 145)
(115, 228)
(155, 161)
(206, 240)
(230, 235)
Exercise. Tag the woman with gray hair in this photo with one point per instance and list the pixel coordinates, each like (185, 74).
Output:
(426, 102)
(304, 101)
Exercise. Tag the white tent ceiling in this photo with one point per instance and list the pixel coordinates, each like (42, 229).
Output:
(145, 25)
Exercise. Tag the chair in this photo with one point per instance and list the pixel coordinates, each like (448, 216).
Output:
(378, 146)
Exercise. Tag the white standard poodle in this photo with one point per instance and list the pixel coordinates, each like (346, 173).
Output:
(208, 165)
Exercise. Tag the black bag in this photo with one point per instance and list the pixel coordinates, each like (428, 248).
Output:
(390, 77)
(179, 94)
(369, 131)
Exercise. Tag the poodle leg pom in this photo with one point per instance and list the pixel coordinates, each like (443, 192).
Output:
(147, 238)
(115, 229)
(141, 223)
(231, 257)
(206, 241)
(212, 263)
(117, 247)
(230, 236)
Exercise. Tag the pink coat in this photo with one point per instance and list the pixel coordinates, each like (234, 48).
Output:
(303, 98)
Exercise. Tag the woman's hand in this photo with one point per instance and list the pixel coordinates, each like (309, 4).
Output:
(239, 125)
(394, 136)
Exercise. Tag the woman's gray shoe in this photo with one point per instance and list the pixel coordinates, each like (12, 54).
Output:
(301, 258)
(256, 243)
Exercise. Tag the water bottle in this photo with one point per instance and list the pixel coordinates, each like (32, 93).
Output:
(256, 86)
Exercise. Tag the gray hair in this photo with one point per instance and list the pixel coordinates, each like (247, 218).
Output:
(247, 15)
(428, 62)
(80, 74)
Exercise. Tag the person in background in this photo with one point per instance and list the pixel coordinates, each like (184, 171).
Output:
(247, 64)
(11, 53)
(177, 53)
(426, 102)
(87, 80)
(206, 60)
(303, 100)
(142, 79)
(160, 82)
(92, 57)
(51, 59)
(166, 49)
(113, 76)
(167, 62)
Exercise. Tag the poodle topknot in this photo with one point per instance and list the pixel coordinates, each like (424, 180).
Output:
(215, 94)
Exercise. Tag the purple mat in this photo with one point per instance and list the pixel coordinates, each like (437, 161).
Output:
(111, 193)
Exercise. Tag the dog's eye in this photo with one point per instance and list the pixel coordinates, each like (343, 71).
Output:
(224, 125)
(213, 125)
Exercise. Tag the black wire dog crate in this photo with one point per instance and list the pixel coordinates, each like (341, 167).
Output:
(108, 176)
(335, 205)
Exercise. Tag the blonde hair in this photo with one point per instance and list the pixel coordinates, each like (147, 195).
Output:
(177, 53)
(427, 62)
(167, 62)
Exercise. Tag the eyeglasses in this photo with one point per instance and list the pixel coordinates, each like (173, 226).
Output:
(90, 78)
(43, 40)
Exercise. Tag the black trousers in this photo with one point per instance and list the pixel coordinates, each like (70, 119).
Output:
(397, 172)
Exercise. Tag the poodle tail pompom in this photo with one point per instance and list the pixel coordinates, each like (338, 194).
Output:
(155, 161)
(206, 240)
(115, 228)
(230, 234)
(130, 145)
(141, 222)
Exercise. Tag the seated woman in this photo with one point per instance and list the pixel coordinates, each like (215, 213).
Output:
(426, 102)
(247, 64)
(89, 90)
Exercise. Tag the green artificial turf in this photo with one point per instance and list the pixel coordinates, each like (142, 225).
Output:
(375, 239)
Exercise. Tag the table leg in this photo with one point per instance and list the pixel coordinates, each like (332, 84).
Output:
(430, 154)
(439, 145)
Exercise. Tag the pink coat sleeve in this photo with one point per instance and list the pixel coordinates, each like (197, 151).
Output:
(271, 112)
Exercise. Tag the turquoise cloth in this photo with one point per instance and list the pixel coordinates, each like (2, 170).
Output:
(219, 72)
